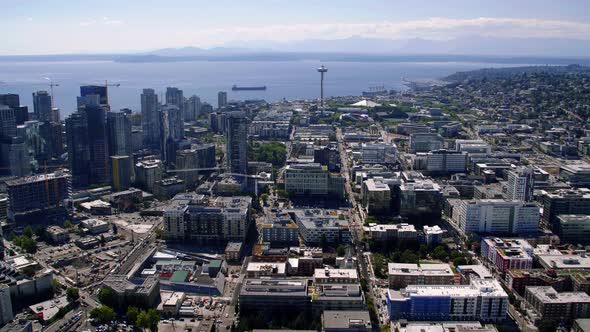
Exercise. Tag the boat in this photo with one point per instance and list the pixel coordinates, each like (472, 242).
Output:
(248, 88)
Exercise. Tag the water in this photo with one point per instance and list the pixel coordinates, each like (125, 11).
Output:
(284, 79)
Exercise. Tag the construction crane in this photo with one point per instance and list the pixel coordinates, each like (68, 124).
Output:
(51, 85)
(106, 86)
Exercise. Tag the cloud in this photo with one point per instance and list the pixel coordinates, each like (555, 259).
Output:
(105, 20)
(438, 28)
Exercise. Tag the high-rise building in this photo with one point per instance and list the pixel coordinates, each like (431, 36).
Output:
(51, 133)
(497, 216)
(42, 106)
(174, 96)
(78, 149)
(237, 142)
(97, 144)
(446, 161)
(14, 157)
(121, 172)
(175, 121)
(150, 119)
(7, 122)
(192, 108)
(37, 195)
(12, 100)
(6, 314)
(520, 184)
(119, 134)
(100, 90)
(221, 99)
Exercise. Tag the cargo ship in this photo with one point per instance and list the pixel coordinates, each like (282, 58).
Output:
(248, 88)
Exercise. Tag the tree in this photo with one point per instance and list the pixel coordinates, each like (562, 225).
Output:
(148, 319)
(28, 232)
(106, 296)
(264, 198)
(282, 193)
(323, 241)
(340, 250)
(132, 314)
(440, 253)
(409, 256)
(460, 261)
(56, 286)
(103, 314)
(68, 224)
(72, 294)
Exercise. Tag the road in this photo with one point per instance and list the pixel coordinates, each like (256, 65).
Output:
(356, 225)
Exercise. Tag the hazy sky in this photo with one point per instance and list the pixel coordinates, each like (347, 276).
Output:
(67, 26)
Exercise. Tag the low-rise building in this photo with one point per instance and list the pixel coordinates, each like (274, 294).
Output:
(550, 304)
(346, 321)
(280, 230)
(559, 261)
(401, 275)
(95, 226)
(433, 235)
(335, 276)
(278, 295)
(387, 232)
(507, 254)
(313, 180)
(133, 292)
(573, 228)
(47, 310)
(263, 269)
(376, 196)
(482, 300)
(57, 234)
(233, 251)
(317, 224)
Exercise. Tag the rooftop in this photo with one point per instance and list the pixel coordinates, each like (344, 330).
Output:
(424, 269)
(346, 319)
(548, 294)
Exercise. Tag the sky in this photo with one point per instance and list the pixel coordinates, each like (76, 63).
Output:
(113, 26)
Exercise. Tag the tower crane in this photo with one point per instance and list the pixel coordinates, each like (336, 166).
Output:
(51, 85)
(106, 85)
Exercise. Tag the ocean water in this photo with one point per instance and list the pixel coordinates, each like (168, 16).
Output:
(284, 79)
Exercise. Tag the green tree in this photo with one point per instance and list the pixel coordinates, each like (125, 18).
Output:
(282, 193)
(28, 232)
(103, 314)
(323, 241)
(460, 261)
(56, 286)
(340, 250)
(440, 253)
(106, 296)
(132, 314)
(409, 256)
(68, 224)
(72, 294)
(264, 198)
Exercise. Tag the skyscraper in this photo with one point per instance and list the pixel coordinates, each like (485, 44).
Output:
(100, 90)
(237, 142)
(150, 119)
(175, 121)
(192, 108)
(175, 97)
(221, 99)
(42, 106)
(520, 184)
(121, 172)
(97, 143)
(7, 122)
(12, 100)
(78, 154)
(119, 134)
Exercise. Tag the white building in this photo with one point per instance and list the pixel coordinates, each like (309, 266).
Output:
(314, 180)
(520, 184)
(497, 216)
(383, 232)
(378, 153)
(445, 161)
(317, 224)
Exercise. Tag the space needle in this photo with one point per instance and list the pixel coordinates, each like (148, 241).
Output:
(322, 70)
